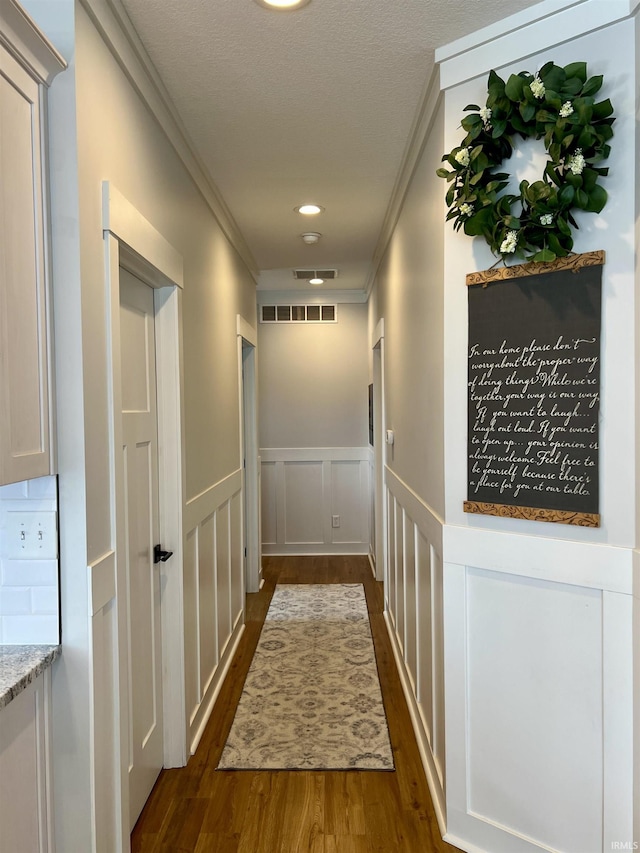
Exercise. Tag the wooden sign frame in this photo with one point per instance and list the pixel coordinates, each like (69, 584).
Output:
(586, 409)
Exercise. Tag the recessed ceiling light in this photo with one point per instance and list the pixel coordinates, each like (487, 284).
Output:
(316, 281)
(283, 5)
(309, 209)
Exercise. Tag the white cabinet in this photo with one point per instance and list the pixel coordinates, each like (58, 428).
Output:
(25, 769)
(27, 65)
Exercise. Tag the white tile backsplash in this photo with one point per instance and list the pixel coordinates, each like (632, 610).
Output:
(28, 588)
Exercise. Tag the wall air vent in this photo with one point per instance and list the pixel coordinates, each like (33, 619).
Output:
(298, 313)
(307, 275)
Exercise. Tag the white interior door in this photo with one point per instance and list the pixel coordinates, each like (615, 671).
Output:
(140, 465)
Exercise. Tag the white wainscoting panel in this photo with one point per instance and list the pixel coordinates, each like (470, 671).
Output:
(304, 488)
(213, 595)
(414, 616)
(538, 694)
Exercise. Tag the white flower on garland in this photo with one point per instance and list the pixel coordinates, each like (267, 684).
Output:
(485, 115)
(546, 219)
(566, 109)
(576, 162)
(466, 209)
(462, 157)
(508, 245)
(537, 87)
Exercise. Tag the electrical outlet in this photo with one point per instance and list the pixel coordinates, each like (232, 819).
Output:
(31, 535)
(335, 521)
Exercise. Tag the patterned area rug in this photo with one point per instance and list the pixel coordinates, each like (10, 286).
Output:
(312, 697)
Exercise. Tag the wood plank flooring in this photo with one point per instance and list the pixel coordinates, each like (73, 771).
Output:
(201, 810)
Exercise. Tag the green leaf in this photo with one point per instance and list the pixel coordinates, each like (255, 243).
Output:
(552, 173)
(567, 194)
(603, 109)
(499, 127)
(544, 256)
(572, 86)
(582, 199)
(555, 245)
(593, 85)
(527, 111)
(576, 69)
(585, 113)
(495, 85)
(470, 107)
(514, 88)
(554, 77)
(468, 122)
(597, 199)
(562, 226)
(451, 194)
(545, 116)
(443, 173)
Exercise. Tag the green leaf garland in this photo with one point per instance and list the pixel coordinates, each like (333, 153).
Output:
(558, 106)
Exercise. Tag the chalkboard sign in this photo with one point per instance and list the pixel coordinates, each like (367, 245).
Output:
(534, 390)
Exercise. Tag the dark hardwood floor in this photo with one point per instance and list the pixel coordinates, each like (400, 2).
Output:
(201, 810)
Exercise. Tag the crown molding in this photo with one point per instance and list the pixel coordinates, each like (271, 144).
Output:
(420, 129)
(22, 38)
(118, 33)
(534, 30)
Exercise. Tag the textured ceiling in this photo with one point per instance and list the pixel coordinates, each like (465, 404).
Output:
(313, 105)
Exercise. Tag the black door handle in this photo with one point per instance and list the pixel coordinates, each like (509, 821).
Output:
(161, 556)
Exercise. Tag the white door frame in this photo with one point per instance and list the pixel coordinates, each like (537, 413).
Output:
(132, 242)
(379, 485)
(247, 337)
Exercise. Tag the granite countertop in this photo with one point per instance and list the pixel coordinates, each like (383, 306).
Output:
(19, 665)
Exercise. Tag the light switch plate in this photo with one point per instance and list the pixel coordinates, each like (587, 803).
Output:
(31, 535)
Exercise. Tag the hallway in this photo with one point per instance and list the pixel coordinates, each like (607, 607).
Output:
(198, 809)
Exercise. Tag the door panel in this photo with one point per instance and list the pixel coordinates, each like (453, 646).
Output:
(140, 462)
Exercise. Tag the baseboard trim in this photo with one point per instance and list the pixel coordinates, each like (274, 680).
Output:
(428, 763)
(315, 550)
(216, 685)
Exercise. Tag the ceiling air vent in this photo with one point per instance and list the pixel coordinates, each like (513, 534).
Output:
(306, 275)
(299, 314)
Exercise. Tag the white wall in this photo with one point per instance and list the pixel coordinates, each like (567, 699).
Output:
(535, 630)
(409, 296)
(313, 416)
(101, 130)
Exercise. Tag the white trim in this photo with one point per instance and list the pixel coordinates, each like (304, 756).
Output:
(206, 706)
(548, 25)
(245, 330)
(207, 502)
(132, 241)
(585, 564)
(431, 772)
(114, 25)
(102, 581)
(147, 251)
(378, 333)
(314, 454)
(312, 549)
(247, 384)
(23, 39)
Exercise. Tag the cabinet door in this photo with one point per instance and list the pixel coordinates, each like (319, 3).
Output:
(25, 801)
(24, 399)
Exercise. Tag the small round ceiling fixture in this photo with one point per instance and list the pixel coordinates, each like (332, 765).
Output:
(283, 5)
(311, 237)
(316, 281)
(309, 209)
